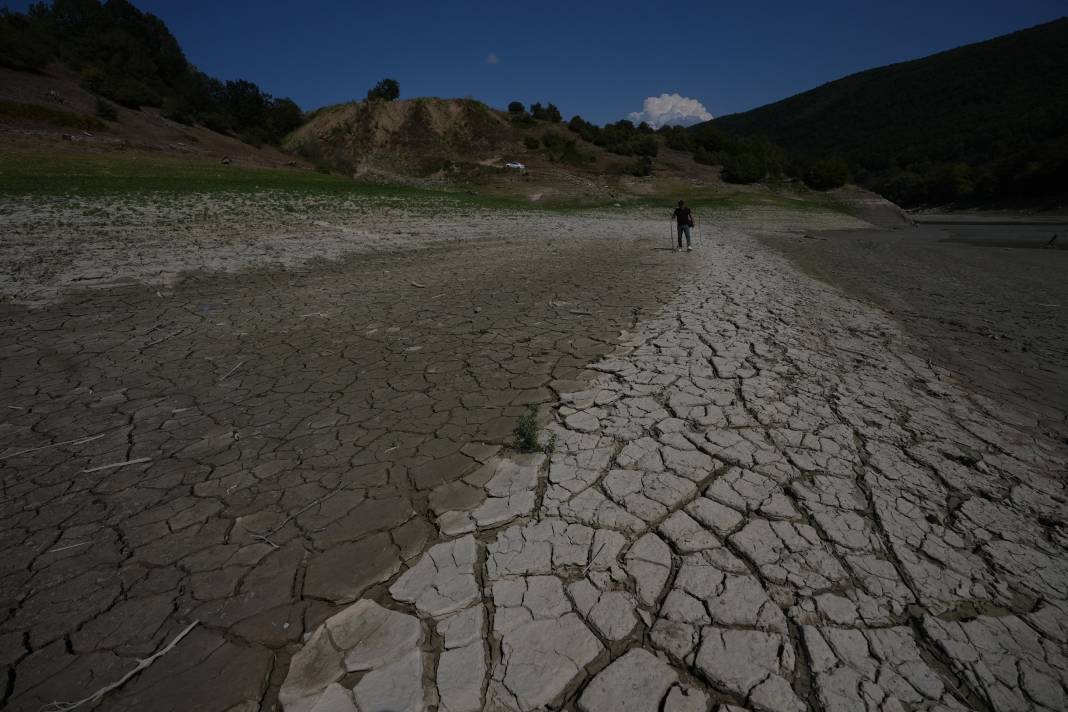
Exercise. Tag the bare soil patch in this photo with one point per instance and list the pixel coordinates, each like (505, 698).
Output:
(980, 300)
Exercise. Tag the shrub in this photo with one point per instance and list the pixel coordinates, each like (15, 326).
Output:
(537, 111)
(641, 168)
(123, 90)
(532, 143)
(555, 141)
(704, 156)
(56, 117)
(516, 107)
(677, 138)
(385, 90)
(572, 156)
(526, 432)
(827, 174)
(22, 44)
(106, 111)
(743, 168)
(645, 146)
(553, 114)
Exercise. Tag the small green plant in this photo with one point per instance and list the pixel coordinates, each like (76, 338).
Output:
(550, 447)
(526, 432)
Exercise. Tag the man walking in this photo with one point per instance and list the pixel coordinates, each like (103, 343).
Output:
(684, 219)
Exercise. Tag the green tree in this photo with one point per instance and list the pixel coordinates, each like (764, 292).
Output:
(553, 114)
(385, 90)
(516, 107)
(283, 117)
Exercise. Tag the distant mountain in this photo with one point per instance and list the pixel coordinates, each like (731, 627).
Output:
(981, 123)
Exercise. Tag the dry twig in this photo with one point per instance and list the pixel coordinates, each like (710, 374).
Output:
(71, 546)
(113, 465)
(78, 441)
(593, 559)
(141, 665)
(231, 371)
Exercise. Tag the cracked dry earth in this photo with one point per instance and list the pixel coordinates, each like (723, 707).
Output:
(254, 451)
(758, 504)
(756, 499)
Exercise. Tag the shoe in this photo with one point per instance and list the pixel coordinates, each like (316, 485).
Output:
(677, 249)
(689, 249)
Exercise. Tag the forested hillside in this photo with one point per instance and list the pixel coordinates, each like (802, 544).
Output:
(979, 123)
(131, 58)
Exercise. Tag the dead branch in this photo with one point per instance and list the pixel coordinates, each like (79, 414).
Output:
(141, 665)
(71, 546)
(78, 441)
(113, 465)
(231, 371)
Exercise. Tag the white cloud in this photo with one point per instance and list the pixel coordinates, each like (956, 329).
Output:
(667, 109)
(492, 58)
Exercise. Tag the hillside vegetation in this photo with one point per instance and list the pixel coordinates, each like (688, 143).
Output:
(980, 123)
(130, 58)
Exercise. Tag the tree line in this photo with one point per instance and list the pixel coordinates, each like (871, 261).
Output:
(980, 124)
(129, 57)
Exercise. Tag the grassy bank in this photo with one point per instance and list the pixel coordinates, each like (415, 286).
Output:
(112, 175)
(136, 174)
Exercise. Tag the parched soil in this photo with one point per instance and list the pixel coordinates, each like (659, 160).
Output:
(256, 415)
(282, 427)
(984, 300)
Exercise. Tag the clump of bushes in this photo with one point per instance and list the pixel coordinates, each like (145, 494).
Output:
(564, 150)
(56, 117)
(622, 137)
(106, 111)
(827, 174)
(743, 168)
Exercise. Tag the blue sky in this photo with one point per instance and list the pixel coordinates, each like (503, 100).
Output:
(589, 57)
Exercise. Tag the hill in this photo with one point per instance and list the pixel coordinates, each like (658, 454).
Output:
(980, 123)
(129, 58)
(463, 142)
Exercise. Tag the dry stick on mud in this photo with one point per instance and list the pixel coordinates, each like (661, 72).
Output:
(71, 546)
(231, 371)
(264, 535)
(76, 441)
(141, 665)
(160, 341)
(113, 465)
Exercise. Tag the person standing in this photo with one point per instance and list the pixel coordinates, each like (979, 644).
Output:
(684, 220)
